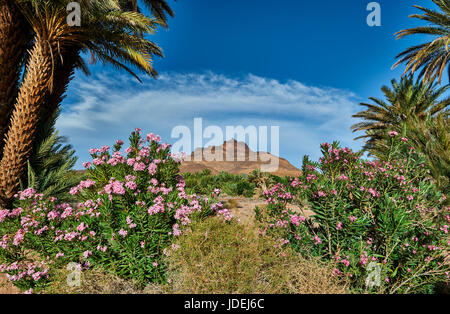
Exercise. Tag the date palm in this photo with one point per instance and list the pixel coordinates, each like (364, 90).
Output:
(432, 137)
(405, 101)
(14, 41)
(431, 57)
(158, 8)
(108, 33)
(50, 167)
(12, 51)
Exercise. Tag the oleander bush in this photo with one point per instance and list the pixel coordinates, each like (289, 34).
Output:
(130, 209)
(383, 224)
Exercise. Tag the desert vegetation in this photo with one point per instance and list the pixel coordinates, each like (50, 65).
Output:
(248, 185)
(369, 221)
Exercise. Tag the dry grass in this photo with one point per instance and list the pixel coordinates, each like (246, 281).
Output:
(230, 258)
(7, 287)
(231, 204)
(221, 258)
(92, 282)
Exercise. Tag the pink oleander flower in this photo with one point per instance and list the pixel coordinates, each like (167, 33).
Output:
(102, 248)
(131, 185)
(116, 187)
(339, 226)
(81, 227)
(98, 162)
(317, 240)
(131, 161)
(3, 214)
(363, 259)
(297, 219)
(373, 193)
(123, 233)
(336, 272)
(393, 133)
(139, 166)
(130, 223)
(152, 168)
(87, 253)
(225, 214)
(130, 178)
(176, 230)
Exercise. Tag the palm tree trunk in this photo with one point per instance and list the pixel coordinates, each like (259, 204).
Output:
(25, 119)
(63, 75)
(11, 52)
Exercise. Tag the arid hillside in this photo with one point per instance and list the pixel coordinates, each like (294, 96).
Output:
(238, 158)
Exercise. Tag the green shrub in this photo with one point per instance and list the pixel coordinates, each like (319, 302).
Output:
(131, 209)
(379, 222)
(204, 183)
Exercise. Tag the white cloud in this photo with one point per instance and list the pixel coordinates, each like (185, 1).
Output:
(103, 108)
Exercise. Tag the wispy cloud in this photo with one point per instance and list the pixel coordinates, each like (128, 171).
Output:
(104, 107)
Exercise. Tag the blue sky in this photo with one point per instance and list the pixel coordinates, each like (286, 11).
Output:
(301, 65)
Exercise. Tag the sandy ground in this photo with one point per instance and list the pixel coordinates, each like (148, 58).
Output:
(242, 208)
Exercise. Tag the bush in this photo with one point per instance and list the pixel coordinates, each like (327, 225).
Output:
(204, 183)
(379, 222)
(131, 209)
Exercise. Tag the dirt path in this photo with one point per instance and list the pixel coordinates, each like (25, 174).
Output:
(242, 207)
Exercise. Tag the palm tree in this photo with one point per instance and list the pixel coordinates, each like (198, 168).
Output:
(14, 41)
(406, 101)
(12, 51)
(432, 137)
(50, 167)
(108, 34)
(158, 8)
(430, 57)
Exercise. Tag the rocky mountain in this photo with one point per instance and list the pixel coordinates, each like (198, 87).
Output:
(237, 158)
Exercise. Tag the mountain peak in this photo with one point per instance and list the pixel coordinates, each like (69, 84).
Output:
(237, 158)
